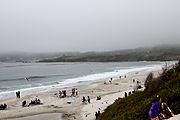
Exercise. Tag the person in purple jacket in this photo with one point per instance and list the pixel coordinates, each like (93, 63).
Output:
(154, 110)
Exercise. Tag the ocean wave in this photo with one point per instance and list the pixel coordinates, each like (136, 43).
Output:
(32, 78)
(11, 66)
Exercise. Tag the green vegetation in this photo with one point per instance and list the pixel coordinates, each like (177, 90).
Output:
(136, 106)
(140, 54)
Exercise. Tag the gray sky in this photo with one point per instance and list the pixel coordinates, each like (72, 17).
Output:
(87, 25)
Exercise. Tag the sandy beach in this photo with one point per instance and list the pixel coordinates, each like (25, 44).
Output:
(53, 105)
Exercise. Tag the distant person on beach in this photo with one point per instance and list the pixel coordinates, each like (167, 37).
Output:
(35, 102)
(133, 80)
(3, 106)
(18, 94)
(154, 110)
(24, 103)
(73, 92)
(99, 112)
(98, 98)
(60, 94)
(84, 100)
(76, 91)
(64, 93)
(96, 114)
(125, 76)
(125, 94)
(88, 99)
(110, 81)
(120, 77)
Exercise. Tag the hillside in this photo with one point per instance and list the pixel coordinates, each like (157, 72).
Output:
(136, 106)
(160, 53)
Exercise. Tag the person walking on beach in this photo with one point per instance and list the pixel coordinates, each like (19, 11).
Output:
(88, 99)
(76, 91)
(154, 110)
(125, 94)
(84, 100)
(73, 92)
(18, 94)
(96, 114)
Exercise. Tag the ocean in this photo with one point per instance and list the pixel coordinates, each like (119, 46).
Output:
(41, 77)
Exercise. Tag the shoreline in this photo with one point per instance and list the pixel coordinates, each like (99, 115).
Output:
(76, 110)
(82, 80)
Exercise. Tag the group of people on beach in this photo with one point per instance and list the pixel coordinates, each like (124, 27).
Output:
(84, 100)
(74, 92)
(63, 93)
(18, 94)
(129, 93)
(111, 79)
(3, 106)
(97, 113)
(159, 110)
(33, 102)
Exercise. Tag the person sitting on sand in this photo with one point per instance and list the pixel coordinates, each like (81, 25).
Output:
(3, 106)
(35, 102)
(165, 111)
(98, 98)
(154, 110)
(24, 103)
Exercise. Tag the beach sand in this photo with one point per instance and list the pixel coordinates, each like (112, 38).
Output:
(76, 110)
(47, 116)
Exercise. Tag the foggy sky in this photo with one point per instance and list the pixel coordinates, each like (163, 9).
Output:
(87, 25)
